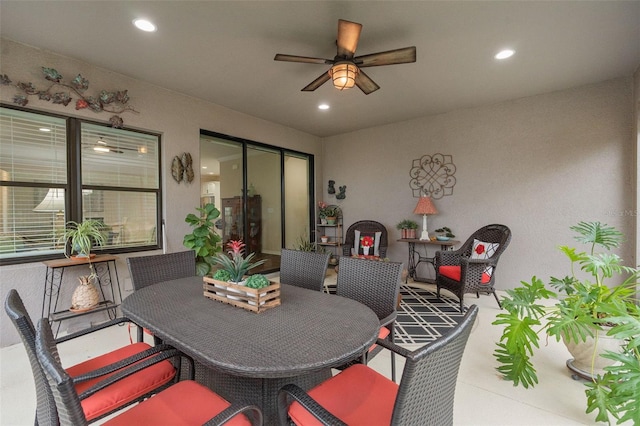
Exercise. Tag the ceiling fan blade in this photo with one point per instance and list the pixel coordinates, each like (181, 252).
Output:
(390, 57)
(317, 82)
(365, 83)
(305, 59)
(348, 36)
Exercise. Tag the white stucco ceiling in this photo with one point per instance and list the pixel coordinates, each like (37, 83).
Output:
(222, 51)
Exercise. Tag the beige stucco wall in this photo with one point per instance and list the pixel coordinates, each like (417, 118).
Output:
(538, 164)
(177, 117)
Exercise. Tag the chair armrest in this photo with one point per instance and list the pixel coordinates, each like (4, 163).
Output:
(92, 329)
(311, 405)
(253, 413)
(403, 352)
(140, 362)
(447, 257)
(389, 318)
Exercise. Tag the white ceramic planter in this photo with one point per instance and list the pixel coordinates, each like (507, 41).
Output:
(587, 361)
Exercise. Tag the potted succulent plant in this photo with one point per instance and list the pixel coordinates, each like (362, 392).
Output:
(588, 310)
(407, 228)
(203, 239)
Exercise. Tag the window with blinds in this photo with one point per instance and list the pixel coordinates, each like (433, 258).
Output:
(117, 181)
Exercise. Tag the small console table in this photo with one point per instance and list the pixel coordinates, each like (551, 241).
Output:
(104, 266)
(413, 264)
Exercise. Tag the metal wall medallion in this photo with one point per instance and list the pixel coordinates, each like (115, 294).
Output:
(432, 176)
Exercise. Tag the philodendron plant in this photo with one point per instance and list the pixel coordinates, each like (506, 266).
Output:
(587, 305)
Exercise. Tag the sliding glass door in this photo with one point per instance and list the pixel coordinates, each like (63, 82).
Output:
(262, 192)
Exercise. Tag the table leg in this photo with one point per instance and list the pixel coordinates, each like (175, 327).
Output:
(412, 262)
(262, 392)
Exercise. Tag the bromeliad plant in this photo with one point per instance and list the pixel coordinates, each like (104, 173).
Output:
(236, 264)
(588, 305)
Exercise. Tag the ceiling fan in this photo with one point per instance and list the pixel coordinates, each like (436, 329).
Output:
(346, 69)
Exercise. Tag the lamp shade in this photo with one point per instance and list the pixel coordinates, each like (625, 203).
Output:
(52, 202)
(425, 206)
(343, 75)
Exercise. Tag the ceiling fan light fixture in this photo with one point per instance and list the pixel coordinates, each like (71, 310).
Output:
(343, 75)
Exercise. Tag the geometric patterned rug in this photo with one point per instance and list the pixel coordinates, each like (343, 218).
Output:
(423, 317)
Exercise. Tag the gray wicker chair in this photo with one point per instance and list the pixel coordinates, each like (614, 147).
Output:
(375, 284)
(304, 269)
(473, 278)
(45, 406)
(186, 400)
(366, 227)
(360, 395)
(147, 270)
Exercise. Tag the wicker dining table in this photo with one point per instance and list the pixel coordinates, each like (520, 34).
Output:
(248, 356)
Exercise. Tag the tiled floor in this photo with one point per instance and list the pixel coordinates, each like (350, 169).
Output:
(482, 398)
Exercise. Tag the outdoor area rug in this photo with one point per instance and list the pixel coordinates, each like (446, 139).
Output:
(423, 317)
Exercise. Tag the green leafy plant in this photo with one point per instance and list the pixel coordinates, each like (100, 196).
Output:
(586, 306)
(83, 236)
(446, 231)
(257, 281)
(236, 264)
(203, 239)
(407, 224)
(327, 210)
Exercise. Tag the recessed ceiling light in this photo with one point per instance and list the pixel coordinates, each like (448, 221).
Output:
(144, 25)
(44, 129)
(323, 106)
(204, 167)
(504, 54)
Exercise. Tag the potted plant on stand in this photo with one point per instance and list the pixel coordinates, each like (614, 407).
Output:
(328, 212)
(407, 228)
(587, 314)
(80, 238)
(203, 239)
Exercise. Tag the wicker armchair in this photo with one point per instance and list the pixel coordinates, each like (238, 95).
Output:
(458, 272)
(361, 396)
(365, 227)
(104, 401)
(147, 270)
(304, 269)
(185, 402)
(375, 284)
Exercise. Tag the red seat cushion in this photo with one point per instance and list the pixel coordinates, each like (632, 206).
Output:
(382, 334)
(358, 396)
(125, 390)
(185, 403)
(453, 272)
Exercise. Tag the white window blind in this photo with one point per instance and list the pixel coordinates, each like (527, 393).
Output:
(32, 153)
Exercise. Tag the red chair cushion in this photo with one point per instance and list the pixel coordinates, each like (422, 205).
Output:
(358, 396)
(382, 334)
(125, 390)
(453, 272)
(185, 403)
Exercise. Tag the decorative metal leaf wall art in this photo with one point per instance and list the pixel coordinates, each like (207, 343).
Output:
(115, 102)
(182, 168)
(432, 176)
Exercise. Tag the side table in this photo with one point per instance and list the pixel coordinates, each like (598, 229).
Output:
(413, 264)
(104, 266)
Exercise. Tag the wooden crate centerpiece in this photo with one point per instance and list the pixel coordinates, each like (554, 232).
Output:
(251, 299)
